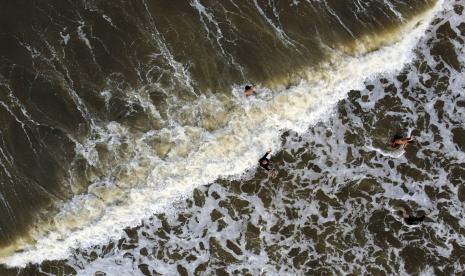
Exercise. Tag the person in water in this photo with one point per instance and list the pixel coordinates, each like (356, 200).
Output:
(249, 90)
(410, 220)
(400, 141)
(265, 163)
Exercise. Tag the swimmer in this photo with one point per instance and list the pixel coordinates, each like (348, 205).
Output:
(265, 163)
(410, 220)
(397, 141)
(249, 90)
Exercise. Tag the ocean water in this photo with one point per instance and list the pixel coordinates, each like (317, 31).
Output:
(128, 147)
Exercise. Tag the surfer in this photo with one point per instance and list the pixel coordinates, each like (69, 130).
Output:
(410, 220)
(265, 163)
(249, 90)
(399, 141)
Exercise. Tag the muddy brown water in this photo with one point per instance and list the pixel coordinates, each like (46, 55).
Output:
(331, 210)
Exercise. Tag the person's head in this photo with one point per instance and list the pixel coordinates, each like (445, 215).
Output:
(264, 162)
(247, 87)
(403, 212)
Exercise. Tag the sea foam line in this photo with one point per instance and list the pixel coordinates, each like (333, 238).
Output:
(228, 152)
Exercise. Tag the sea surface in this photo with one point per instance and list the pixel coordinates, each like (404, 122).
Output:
(127, 146)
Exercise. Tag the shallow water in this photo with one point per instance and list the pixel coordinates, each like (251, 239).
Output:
(331, 210)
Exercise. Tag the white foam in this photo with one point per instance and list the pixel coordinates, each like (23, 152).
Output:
(65, 37)
(152, 183)
(394, 154)
(108, 19)
(82, 35)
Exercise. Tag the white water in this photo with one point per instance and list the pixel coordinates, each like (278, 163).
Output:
(152, 183)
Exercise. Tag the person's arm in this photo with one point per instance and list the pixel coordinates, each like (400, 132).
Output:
(266, 154)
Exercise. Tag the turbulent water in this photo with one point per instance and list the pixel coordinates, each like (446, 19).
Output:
(128, 148)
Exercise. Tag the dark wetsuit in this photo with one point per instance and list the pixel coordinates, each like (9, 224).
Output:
(267, 165)
(414, 220)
